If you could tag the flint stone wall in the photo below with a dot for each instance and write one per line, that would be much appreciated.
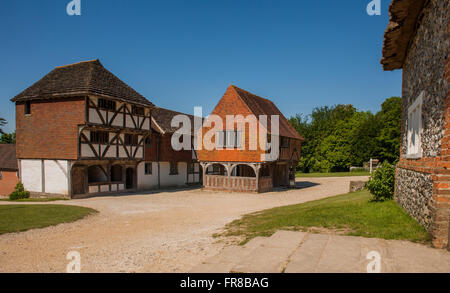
(413, 192)
(424, 70)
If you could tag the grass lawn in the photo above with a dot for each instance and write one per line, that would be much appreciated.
(16, 218)
(34, 199)
(335, 174)
(350, 214)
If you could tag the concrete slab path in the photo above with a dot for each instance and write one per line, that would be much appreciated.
(299, 252)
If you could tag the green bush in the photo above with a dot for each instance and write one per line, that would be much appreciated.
(19, 192)
(382, 182)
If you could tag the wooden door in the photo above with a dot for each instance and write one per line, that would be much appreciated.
(78, 181)
(129, 178)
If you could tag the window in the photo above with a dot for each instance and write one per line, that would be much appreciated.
(148, 168)
(137, 110)
(131, 139)
(284, 142)
(173, 168)
(190, 168)
(107, 104)
(228, 139)
(101, 137)
(28, 108)
(1, 175)
(414, 135)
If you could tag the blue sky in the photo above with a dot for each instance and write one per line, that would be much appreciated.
(181, 54)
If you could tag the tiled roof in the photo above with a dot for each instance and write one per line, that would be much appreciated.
(163, 118)
(83, 78)
(400, 30)
(8, 160)
(261, 106)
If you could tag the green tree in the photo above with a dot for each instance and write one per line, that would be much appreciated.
(340, 136)
(8, 138)
(390, 119)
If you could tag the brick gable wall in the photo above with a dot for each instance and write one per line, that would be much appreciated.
(231, 104)
(51, 131)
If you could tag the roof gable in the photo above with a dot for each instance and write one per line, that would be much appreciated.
(261, 106)
(83, 78)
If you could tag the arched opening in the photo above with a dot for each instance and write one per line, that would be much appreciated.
(216, 169)
(129, 178)
(243, 171)
(116, 173)
(96, 174)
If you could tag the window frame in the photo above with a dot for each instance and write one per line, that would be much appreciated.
(96, 138)
(173, 168)
(414, 129)
(27, 108)
(146, 170)
(107, 105)
(136, 110)
(224, 136)
(130, 139)
(284, 142)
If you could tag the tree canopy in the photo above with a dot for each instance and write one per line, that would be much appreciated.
(341, 136)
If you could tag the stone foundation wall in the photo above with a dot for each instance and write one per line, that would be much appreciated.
(413, 192)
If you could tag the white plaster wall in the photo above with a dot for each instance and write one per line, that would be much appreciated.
(140, 153)
(111, 153)
(31, 175)
(118, 121)
(129, 122)
(56, 177)
(86, 151)
(173, 180)
(146, 182)
(93, 117)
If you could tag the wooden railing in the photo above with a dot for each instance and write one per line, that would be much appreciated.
(231, 183)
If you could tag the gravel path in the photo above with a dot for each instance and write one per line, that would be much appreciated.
(161, 232)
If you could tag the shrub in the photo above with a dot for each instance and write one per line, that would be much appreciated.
(382, 182)
(19, 192)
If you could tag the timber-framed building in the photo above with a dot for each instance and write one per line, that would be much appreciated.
(80, 131)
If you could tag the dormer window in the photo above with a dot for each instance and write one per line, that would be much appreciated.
(28, 108)
(107, 104)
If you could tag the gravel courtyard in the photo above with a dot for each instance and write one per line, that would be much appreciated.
(161, 232)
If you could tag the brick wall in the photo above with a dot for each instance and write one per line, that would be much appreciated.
(8, 182)
(51, 131)
(166, 152)
(231, 104)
